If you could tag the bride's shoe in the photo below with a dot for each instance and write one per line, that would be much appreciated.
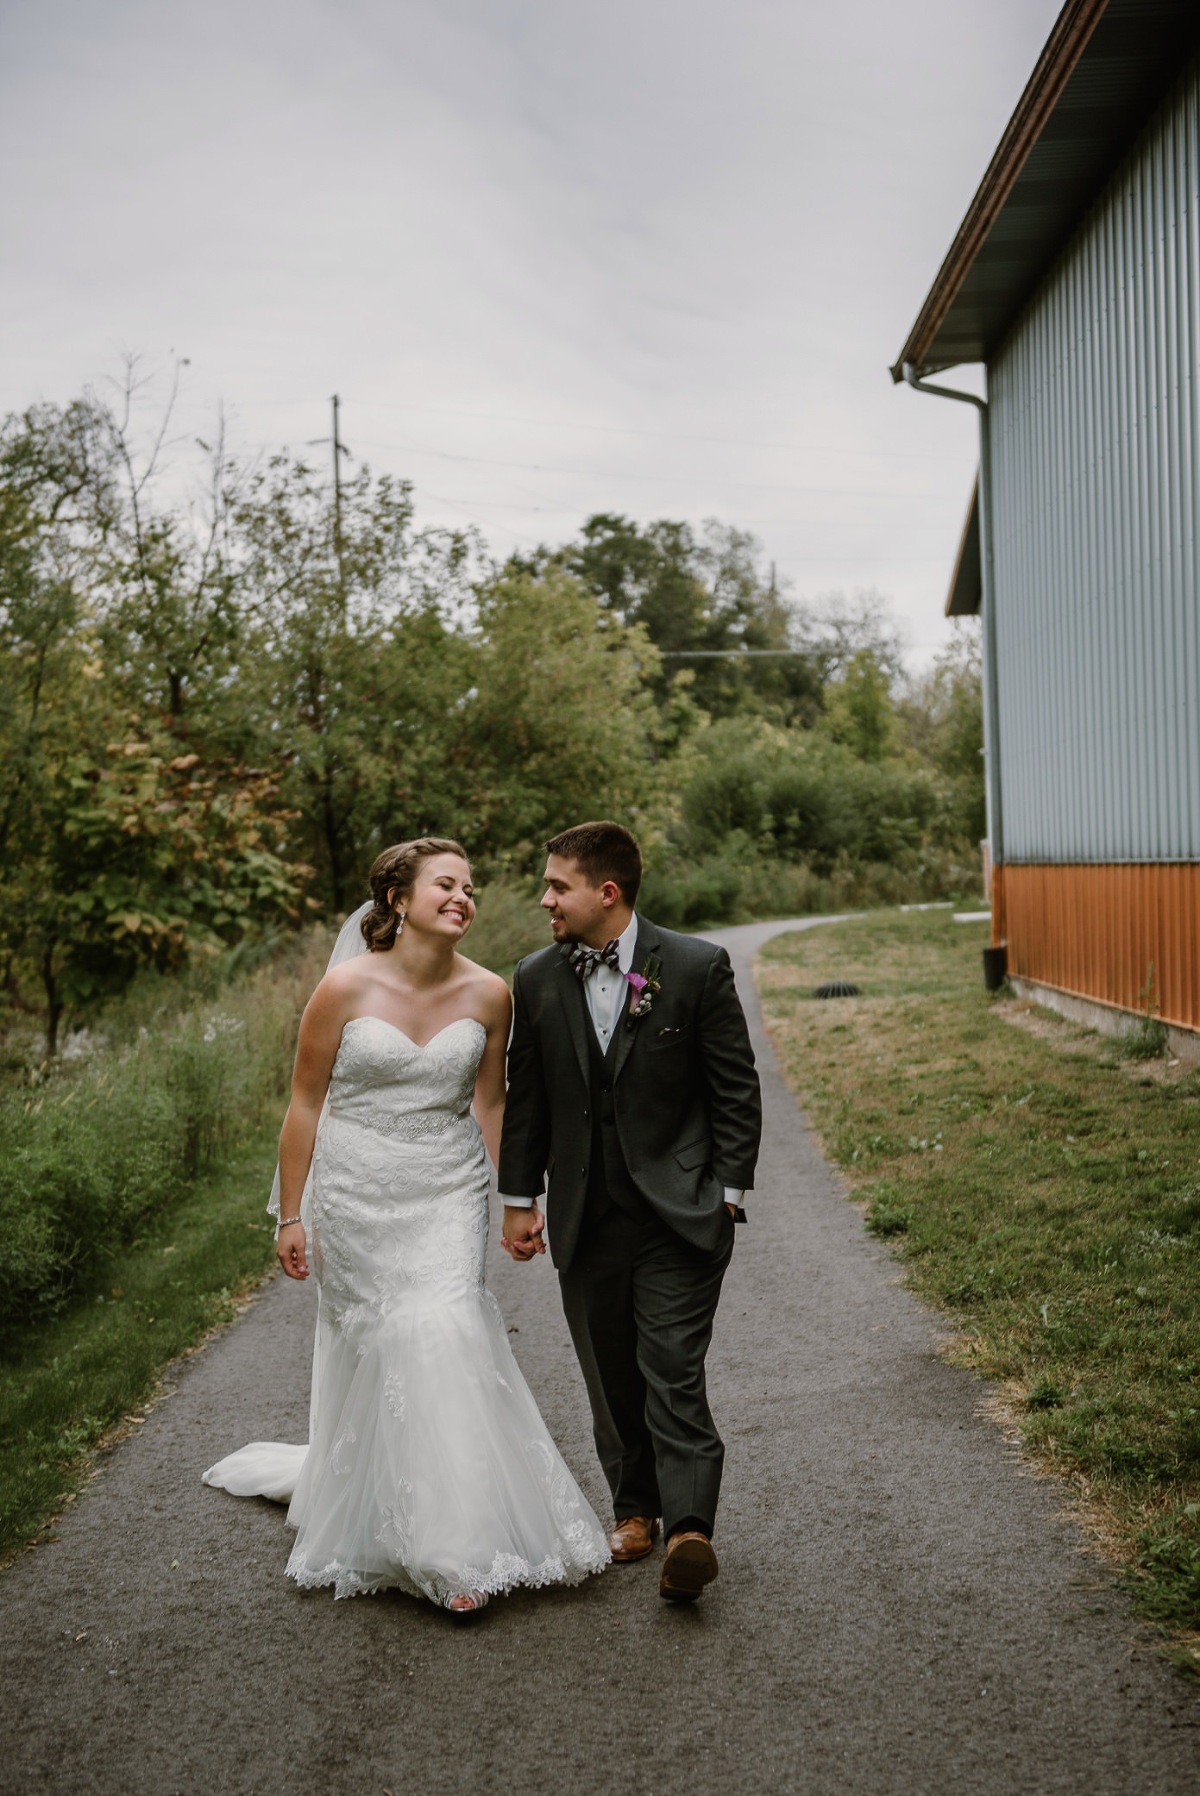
(462, 1607)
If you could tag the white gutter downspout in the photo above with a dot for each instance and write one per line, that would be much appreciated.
(991, 703)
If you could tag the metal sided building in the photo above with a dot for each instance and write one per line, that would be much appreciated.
(1075, 280)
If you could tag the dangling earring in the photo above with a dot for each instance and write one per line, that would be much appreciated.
(400, 925)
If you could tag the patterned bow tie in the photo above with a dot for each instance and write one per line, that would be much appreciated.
(584, 961)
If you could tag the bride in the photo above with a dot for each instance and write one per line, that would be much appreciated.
(429, 1468)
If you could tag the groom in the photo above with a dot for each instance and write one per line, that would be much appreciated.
(633, 1095)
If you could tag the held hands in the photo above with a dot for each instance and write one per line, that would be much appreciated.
(521, 1235)
(290, 1250)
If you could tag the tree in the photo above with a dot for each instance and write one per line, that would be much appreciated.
(560, 721)
(858, 706)
(48, 468)
(171, 609)
(941, 714)
(842, 627)
(209, 687)
(119, 853)
(149, 859)
(786, 687)
(114, 852)
(355, 664)
(161, 591)
(707, 594)
(56, 509)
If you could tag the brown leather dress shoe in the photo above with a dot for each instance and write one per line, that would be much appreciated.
(633, 1538)
(690, 1564)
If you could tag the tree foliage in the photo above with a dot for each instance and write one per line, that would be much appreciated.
(700, 602)
(351, 665)
(560, 721)
(220, 699)
(941, 717)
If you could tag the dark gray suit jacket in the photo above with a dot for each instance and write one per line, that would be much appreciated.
(687, 1106)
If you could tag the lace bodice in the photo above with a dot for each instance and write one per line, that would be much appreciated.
(400, 1178)
(386, 1082)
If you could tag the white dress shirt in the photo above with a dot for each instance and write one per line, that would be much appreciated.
(609, 995)
(608, 991)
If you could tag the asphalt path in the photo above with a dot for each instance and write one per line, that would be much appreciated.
(902, 1606)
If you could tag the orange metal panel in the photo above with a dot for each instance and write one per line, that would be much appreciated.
(1127, 935)
(999, 908)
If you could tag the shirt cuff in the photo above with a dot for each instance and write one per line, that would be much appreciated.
(732, 1196)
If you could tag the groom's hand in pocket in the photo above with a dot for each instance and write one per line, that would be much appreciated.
(521, 1234)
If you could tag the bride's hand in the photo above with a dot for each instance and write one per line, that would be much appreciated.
(522, 1234)
(290, 1250)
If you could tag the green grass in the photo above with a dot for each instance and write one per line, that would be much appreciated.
(1041, 1188)
(70, 1381)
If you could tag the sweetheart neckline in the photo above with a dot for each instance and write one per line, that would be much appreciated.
(420, 1046)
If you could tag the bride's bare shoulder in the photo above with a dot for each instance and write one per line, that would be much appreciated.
(487, 990)
(352, 976)
(342, 989)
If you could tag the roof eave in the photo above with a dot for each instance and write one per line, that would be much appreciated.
(1064, 47)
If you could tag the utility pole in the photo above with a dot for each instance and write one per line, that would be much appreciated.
(337, 502)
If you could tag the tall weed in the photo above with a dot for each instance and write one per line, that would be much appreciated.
(86, 1159)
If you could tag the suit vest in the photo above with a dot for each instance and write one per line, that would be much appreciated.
(608, 1176)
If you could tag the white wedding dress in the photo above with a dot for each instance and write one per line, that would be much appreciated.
(429, 1468)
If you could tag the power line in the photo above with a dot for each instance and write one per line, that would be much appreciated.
(533, 467)
(520, 536)
(728, 654)
(337, 499)
(622, 430)
(463, 507)
(573, 511)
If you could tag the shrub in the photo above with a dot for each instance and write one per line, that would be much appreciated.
(84, 1161)
(725, 798)
(77, 1173)
(694, 894)
(807, 801)
(803, 809)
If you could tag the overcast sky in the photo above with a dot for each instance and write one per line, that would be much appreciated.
(557, 258)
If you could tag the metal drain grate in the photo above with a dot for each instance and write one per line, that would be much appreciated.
(837, 988)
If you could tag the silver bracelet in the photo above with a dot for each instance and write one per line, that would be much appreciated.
(285, 1222)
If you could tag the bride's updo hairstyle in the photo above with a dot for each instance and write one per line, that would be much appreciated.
(392, 878)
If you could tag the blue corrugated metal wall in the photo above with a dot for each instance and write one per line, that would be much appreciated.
(1095, 445)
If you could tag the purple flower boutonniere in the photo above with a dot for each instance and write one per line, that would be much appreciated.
(644, 987)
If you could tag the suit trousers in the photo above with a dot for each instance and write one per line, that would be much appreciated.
(640, 1302)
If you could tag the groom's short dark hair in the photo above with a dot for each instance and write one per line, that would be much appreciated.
(602, 851)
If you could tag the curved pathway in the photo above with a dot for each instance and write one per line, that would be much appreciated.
(901, 1608)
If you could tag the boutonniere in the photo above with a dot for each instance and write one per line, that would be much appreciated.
(644, 987)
